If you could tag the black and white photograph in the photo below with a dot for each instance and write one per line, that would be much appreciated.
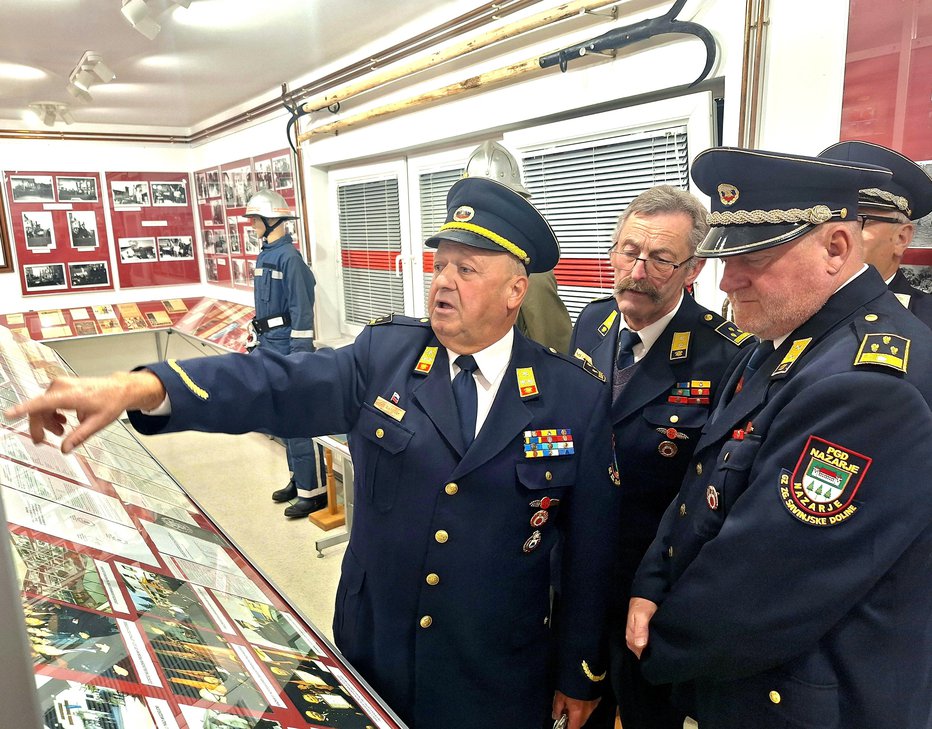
(239, 271)
(37, 188)
(264, 175)
(215, 242)
(210, 267)
(129, 194)
(281, 171)
(77, 189)
(200, 179)
(82, 225)
(137, 250)
(45, 276)
(175, 248)
(235, 245)
(216, 213)
(169, 193)
(94, 273)
(213, 183)
(252, 241)
(40, 233)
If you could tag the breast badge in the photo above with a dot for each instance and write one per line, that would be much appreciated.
(821, 489)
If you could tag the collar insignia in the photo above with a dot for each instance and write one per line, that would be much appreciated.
(426, 362)
(679, 347)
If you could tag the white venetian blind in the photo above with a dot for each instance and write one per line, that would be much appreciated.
(582, 186)
(370, 242)
(432, 190)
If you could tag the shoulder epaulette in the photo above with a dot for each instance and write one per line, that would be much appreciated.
(602, 298)
(578, 362)
(886, 350)
(725, 328)
(398, 319)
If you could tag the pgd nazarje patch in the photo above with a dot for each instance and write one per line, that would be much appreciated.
(821, 489)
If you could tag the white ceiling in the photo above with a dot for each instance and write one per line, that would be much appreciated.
(210, 58)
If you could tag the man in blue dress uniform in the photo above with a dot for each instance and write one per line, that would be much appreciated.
(788, 585)
(662, 385)
(473, 449)
(888, 214)
(284, 323)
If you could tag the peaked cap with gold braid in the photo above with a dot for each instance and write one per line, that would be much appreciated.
(486, 214)
(765, 199)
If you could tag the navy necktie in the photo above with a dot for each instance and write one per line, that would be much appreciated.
(760, 353)
(467, 399)
(626, 341)
(624, 363)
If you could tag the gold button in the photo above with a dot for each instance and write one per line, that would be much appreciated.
(379, 432)
(548, 476)
(669, 551)
(708, 317)
(424, 320)
(427, 621)
(441, 536)
(698, 469)
(451, 488)
(674, 418)
(682, 509)
(870, 317)
(775, 697)
(433, 579)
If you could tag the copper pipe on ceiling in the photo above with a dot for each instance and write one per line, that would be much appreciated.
(480, 16)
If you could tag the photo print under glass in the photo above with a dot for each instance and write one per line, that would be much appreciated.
(40, 233)
(169, 193)
(281, 170)
(45, 276)
(130, 194)
(82, 225)
(92, 273)
(35, 188)
(137, 250)
(175, 248)
(77, 189)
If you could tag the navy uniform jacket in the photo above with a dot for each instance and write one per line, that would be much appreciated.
(284, 284)
(651, 464)
(444, 597)
(793, 570)
(917, 301)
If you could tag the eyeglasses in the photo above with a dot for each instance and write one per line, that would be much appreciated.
(657, 267)
(877, 218)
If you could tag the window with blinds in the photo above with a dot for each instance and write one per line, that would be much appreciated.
(432, 189)
(370, 243)
(582, 187)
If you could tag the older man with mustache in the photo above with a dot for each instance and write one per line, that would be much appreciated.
(667, 355)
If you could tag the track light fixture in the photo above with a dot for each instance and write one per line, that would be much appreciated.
(139, 15)
(90, 70)
(50, 112)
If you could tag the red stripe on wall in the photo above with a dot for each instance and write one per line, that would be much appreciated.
(569, 271)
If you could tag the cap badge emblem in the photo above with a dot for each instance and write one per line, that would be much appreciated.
(728, 194)
(463, 213)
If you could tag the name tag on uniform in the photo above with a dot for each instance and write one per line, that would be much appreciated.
(392, 411)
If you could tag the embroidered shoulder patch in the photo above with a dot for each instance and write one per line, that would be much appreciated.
(887, 350)
(188, 382)
(731, 332)
(606, 325)
(821, 489)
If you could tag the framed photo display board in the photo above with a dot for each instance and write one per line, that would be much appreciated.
(153, 224)
(230, 245)
(59, 231)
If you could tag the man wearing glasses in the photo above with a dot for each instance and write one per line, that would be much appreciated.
(888, 214)
(665, 356)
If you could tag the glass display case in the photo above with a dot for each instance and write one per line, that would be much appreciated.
(133, 607)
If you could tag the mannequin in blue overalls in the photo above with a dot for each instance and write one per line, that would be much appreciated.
(284, 292)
